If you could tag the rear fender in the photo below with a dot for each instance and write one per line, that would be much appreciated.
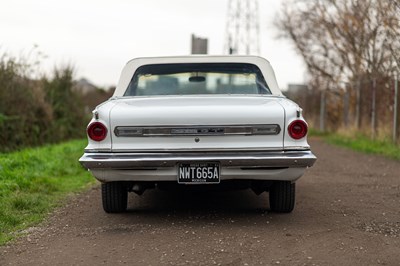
(292, 112)
(101, 114)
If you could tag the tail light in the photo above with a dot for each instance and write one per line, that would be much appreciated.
(97, 131)
(298, 129)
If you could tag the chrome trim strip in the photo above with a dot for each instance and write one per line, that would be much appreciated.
(150, 131)
(297, 148)
(275, 149)
(226, 159)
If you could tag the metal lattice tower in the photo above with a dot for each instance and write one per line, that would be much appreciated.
(242, 28)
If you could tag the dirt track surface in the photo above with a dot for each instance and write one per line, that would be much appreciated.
(347, 213)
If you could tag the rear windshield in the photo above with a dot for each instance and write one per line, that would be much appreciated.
(199, 78)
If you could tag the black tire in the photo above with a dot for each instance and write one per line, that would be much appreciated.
(114, 196)
(282, 196)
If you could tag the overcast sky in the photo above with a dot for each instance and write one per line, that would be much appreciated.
(98, 37)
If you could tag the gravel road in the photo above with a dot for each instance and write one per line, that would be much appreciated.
(347, 213)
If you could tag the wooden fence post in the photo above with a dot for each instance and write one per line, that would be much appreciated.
(395, 109)
(346, 100)
(373, 109)
(358, 105)
(322, 112)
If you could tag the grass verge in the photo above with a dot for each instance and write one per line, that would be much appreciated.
(361, 143)
(33, 181)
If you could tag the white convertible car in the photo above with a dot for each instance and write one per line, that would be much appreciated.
(204, 122)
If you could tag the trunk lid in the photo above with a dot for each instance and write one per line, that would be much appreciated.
(196, 123)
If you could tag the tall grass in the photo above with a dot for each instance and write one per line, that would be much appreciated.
(365, 144)
(362, 143)
(33, 181)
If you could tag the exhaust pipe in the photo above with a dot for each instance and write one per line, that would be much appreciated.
(259, 186)
(138, 189)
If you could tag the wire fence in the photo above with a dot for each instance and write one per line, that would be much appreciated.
(368, 106)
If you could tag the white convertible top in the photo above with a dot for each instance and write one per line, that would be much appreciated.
(132, 65)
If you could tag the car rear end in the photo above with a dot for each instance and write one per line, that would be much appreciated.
(252, 140)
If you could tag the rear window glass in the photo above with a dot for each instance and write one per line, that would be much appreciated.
(199, 78)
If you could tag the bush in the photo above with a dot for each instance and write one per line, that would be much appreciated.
(37, 111)
(69, 117)
(24, 113)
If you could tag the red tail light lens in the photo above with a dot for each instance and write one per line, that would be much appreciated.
(97, 131)
(298, 129)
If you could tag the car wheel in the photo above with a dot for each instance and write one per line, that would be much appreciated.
(114, 196)
(282, 196)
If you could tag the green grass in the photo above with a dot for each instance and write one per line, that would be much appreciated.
(33, 181)
(361, 143)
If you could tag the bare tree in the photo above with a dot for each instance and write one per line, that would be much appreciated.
(352, 49)
(342, 40)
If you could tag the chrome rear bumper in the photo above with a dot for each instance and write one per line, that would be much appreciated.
(154, 160)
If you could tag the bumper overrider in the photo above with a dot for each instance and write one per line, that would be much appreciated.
(161, 166)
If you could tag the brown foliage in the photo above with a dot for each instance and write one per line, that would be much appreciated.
(347, 45)
(341, 40)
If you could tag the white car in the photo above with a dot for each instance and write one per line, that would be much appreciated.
(197, 122)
